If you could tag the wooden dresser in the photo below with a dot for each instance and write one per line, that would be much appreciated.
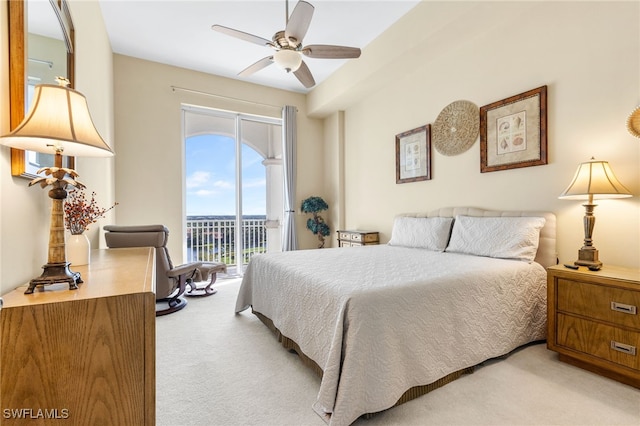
(86, 356)
(594, 320)
(357, 238)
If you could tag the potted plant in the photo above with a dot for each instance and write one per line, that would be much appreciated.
(316, 224)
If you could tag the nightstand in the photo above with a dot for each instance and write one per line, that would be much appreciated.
(594, 320)
(357, 238)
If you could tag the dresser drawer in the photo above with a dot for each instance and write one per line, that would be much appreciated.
(345, 235)
(613, 344)
(614, 305)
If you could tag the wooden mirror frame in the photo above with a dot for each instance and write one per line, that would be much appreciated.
(18, 64)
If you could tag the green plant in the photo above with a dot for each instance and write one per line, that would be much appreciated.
(316, 224)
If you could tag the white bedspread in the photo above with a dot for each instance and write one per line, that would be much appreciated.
(381, 319)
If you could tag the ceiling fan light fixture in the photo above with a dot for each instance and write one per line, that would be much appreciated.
(289, 60)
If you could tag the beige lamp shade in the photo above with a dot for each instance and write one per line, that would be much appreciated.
(58, 118)
(594, 180)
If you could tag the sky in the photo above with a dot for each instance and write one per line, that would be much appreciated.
(210, 183)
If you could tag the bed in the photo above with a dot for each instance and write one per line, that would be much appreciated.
(383, 324)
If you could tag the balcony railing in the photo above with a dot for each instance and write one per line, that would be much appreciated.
(214, 240)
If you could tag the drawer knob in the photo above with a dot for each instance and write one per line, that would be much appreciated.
(621, 347)
(621, 307)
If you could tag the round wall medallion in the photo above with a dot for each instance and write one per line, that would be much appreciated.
(456, 128)
(633, 122)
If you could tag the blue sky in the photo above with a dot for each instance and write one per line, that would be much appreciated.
(210, 183)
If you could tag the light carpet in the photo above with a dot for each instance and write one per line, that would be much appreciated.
(214, 367)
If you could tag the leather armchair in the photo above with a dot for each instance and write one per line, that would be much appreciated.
(171, 281)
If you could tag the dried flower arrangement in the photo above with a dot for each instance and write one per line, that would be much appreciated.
(80, 213)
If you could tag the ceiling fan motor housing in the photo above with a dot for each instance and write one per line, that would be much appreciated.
(283, 42)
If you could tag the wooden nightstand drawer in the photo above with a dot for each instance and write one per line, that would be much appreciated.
(603, 341)
(609, 304)
(357, 238)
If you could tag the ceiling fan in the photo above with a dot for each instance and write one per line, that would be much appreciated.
(288, 45)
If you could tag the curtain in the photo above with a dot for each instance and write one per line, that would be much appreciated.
(289, 130)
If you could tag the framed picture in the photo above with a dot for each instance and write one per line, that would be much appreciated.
(413, 155)
(513, 132)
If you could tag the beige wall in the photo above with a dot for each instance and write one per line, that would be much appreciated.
(334, 171)
(24, 212)
(149, 150)
(587, 53)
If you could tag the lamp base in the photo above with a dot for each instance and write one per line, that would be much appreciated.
(588, 256)
(55, 273)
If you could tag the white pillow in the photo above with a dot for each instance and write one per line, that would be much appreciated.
(430, 233)
(502, 237)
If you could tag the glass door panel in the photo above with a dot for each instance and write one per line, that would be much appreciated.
(210, 187)
(233, 184)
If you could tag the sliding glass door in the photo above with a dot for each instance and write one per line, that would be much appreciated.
(233, 185)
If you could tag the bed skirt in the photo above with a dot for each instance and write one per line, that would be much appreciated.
(410, 394)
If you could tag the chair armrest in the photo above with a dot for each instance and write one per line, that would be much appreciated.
(183, 269)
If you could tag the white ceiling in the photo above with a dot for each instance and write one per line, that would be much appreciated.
(178, 32)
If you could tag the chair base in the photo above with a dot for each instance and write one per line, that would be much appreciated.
(195, 291)
(175, 304)
(210, 270)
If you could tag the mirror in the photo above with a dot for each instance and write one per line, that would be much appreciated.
(41, 47)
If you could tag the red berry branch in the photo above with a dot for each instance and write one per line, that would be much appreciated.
(80, 213)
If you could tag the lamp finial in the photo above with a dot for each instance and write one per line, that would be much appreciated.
(63, 81)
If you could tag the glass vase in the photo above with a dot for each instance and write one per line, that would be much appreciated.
(78, 249)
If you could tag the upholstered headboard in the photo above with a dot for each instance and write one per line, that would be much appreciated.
(546, 255)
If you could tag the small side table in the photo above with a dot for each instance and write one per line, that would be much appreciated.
(357, 238)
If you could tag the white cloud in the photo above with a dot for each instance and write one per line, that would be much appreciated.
(204, 193)
(224, 184)
(198, 179)
(199, 183)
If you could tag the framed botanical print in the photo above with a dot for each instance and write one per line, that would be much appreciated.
(413, 155)
(513, 132)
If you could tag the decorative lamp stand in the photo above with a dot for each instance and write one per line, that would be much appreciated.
(588, 254)
(57, 268)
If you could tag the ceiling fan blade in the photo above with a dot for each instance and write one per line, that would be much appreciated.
(299, 21)
(326, 51)
(241, 35)
(262, 63)
(304, 75)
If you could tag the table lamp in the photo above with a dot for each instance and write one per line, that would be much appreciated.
(593, 180)
(58, 121)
